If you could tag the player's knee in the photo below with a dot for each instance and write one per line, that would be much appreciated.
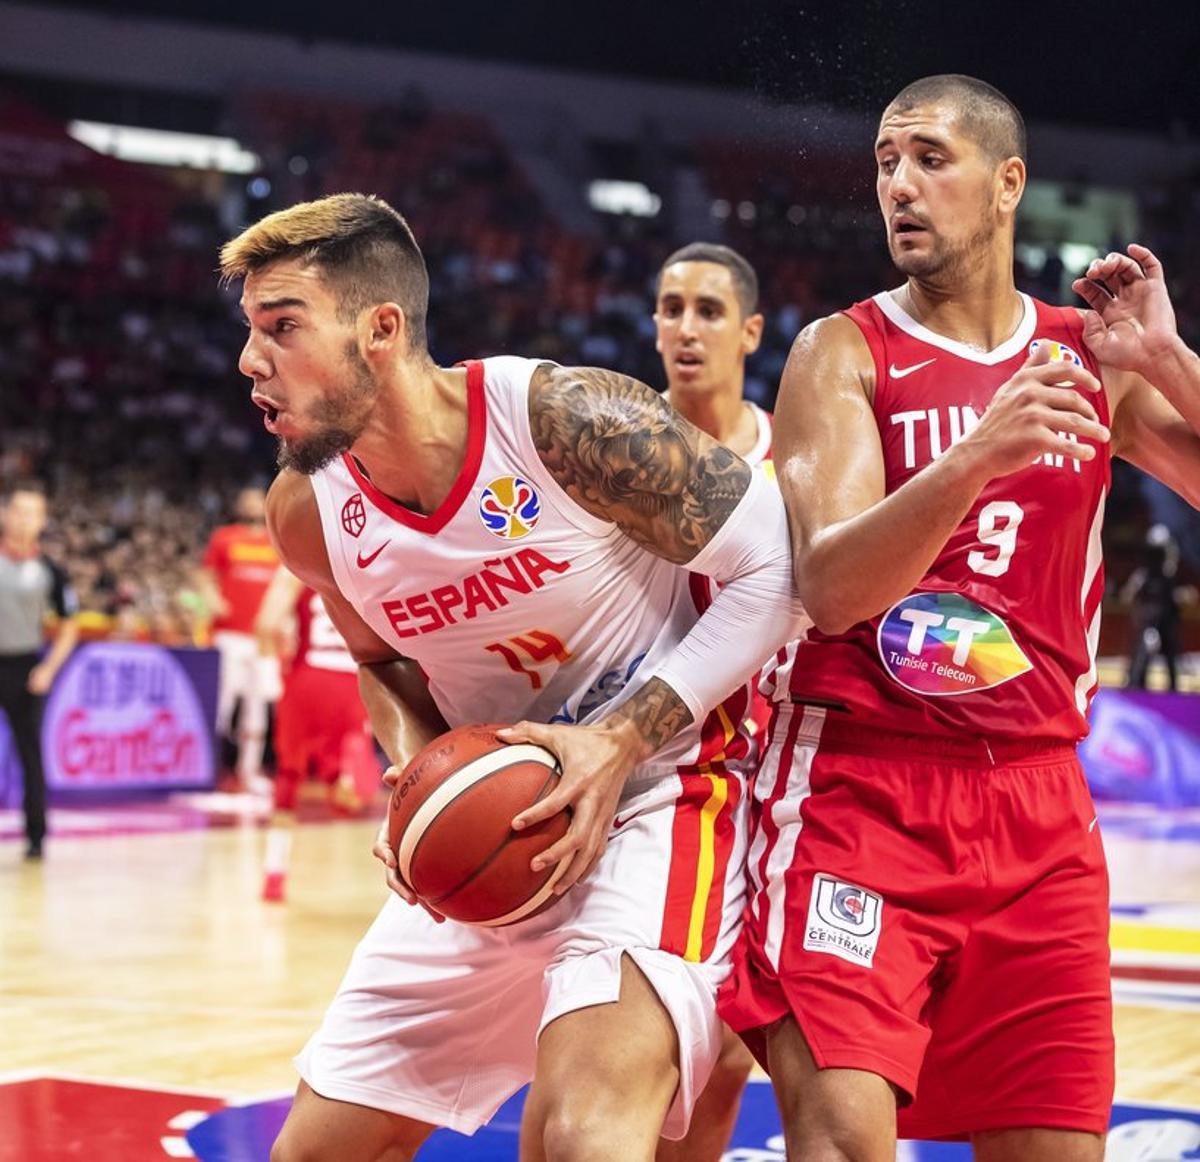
(568, 1139)
(289, 1147)
(589, 1127)
(823, 1133)
(301, 1141)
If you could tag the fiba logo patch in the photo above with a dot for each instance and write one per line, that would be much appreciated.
(510, 507)
(354, 515)
(1059, 352)
(843, 920)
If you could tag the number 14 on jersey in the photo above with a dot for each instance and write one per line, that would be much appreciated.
(531, 652)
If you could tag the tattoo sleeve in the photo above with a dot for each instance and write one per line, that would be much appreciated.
(620, 451)
(657, 712)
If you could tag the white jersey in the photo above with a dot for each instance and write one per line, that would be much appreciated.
(515, 601)
(760, 455)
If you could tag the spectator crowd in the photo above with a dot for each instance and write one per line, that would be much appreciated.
(118, 349)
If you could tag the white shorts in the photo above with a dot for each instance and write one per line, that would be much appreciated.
(439, 1022)
(246, 675)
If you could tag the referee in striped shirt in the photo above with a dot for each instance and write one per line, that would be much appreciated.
(31, 588)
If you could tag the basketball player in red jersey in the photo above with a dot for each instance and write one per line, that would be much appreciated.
(707, 323)
(321, 725)
(238, 565)
(447, 516)
(929, 930)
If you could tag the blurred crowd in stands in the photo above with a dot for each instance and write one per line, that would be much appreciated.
(118, 350)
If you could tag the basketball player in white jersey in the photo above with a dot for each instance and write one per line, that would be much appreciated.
(523, 533)
(707, 323)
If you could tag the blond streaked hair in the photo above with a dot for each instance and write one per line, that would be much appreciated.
(363, 248)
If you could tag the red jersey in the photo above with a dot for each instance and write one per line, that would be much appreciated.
(244, 562)
(318, 643)
(999, 639)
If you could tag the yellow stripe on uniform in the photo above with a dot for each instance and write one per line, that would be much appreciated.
(1154, 938)
(705, 864)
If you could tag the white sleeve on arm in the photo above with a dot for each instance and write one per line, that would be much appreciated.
(755, 612)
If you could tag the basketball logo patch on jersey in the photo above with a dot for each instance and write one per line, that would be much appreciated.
(510, 507)
(843, 920)
(943, 643)
(354, 515)
(1059, 352)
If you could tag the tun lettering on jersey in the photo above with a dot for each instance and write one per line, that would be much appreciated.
(493, 587)
(930, 432)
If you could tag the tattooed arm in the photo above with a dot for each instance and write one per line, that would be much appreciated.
(624, 454)
(620, 452)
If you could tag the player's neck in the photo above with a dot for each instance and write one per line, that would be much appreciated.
(416, 443)
(723, 414)
(18, 546)
(983, 309)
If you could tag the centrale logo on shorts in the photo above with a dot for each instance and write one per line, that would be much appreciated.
(843, 920)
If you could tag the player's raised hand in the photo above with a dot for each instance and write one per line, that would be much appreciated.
(1132, 322)
(595, 762)
(1042, 408)
(382, 851)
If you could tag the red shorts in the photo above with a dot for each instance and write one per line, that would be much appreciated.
(936, 918)
(319, 708)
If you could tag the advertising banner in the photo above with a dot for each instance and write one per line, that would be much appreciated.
(125, 716)
(1144, 748)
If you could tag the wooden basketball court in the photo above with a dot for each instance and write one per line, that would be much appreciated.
(148, 961)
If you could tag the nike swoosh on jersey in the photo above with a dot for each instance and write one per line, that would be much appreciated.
(363, 562)
(895, 372)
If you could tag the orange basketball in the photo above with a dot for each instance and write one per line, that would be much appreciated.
(449, 824)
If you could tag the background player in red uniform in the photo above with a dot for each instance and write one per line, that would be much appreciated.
(238, 566)
(321, 727)
(932, 910)
(707, 322)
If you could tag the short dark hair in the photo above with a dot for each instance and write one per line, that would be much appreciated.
(25, 484)
(745, 281)
(992, 121)
(364, 248)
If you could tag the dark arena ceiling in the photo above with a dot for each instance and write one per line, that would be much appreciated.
(1105, 63)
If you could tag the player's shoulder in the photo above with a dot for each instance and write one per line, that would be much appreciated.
(294, 526)
(555, 384)
(564, 402)
(838, 329)
(833, 343)
(1051, 314)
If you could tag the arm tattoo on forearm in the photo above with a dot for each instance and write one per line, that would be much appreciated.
(620, 450)
(657, 711)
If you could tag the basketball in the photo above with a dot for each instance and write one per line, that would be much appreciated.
(449, 822)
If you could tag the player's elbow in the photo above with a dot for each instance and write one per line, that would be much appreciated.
(825, 603)
(830, 620)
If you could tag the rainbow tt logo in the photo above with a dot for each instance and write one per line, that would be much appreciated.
(510, 507)
(944, 643)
